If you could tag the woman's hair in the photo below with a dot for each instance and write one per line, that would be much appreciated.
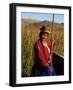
(40, 35)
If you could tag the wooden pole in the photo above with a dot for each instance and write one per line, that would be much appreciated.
(52, 38)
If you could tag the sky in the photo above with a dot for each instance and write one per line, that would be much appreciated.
(59, 18)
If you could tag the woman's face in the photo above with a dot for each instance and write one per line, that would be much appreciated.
(44, 37)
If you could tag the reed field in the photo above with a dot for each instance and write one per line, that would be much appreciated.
(29, 36)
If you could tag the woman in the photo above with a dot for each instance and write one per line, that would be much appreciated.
(42, 55)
